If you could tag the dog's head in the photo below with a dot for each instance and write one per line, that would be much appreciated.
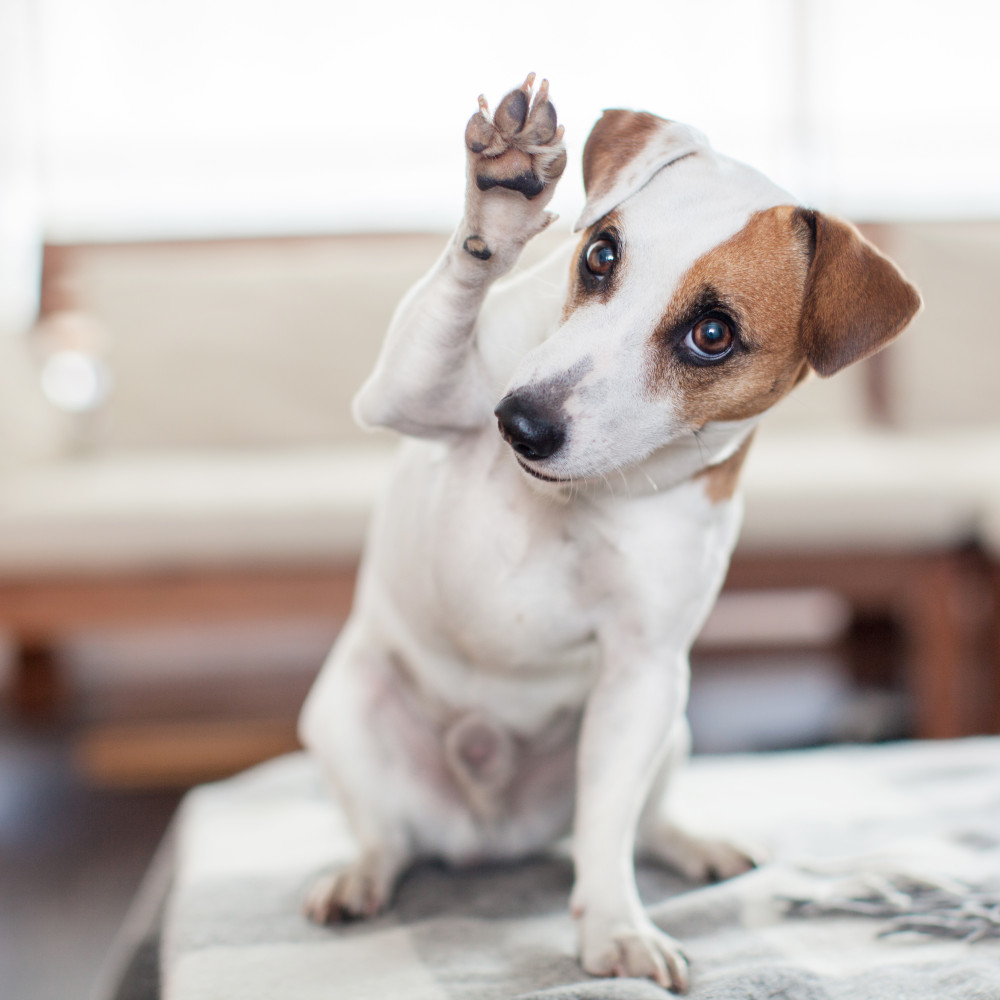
(700, 294)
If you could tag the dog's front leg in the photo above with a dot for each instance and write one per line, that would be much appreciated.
(429, 379)
(627, 726)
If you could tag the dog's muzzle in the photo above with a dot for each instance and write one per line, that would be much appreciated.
(530, 427)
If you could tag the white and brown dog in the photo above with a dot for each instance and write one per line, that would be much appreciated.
(515, 665)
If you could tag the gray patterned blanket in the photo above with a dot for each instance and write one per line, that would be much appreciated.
(884, 883)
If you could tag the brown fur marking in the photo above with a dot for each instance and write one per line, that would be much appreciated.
(722, 479)
(856, 299)
(618, 137)
(578, 293)
(760, 274)
(807, 290)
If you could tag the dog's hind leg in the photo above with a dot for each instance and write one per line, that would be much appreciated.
(383, 751)
(430, 380)
(353, 723)
(364, 886)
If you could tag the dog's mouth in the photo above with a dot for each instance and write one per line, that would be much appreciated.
(539, 475)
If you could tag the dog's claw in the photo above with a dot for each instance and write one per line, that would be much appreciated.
(640, 953)
(357, 891)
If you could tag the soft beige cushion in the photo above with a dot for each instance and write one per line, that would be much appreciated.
(823, 491)
(804, 492)
(944, 368)
(841, 401)
(189, 510)
(246, 344)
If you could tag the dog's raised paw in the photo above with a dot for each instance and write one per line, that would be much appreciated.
(520, 148)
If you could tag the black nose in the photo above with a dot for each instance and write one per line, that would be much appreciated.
(529, 427)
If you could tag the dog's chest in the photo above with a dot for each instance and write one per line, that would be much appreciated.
(506, 578)
(490, 581)
(515, 576)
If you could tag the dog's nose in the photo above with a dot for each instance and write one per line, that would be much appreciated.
(529, 427)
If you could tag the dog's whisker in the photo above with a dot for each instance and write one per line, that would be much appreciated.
(544, 283)
(512, 351)
(701, 447)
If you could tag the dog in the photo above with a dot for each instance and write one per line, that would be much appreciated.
(561, 520)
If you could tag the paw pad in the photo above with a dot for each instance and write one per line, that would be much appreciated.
(476, 246)
(521, 148)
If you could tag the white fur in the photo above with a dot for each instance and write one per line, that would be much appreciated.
(551, 622)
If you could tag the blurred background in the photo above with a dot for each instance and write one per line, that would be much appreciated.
(208, 209)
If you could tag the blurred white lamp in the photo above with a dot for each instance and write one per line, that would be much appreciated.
(75, 381)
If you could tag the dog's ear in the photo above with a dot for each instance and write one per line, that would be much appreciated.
(856, 299)
(623, 152)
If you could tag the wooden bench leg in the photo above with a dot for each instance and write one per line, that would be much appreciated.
(874, 649)
(37, 691)
(993, 651)
(942, 655)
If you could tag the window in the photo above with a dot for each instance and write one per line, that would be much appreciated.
(225, 117)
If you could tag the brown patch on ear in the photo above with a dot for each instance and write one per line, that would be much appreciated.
(618, 137)
(722, 479)
(856, 299)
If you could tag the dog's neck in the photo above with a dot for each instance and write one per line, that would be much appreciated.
(673, 464)
(683, 459)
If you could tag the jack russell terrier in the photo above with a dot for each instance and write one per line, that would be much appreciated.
(516, 662)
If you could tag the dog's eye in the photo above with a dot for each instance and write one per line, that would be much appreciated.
(600, 257)
(710, 339)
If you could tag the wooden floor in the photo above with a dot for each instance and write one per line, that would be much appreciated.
(71, 858)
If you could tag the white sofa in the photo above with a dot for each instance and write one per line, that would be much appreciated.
(224, 478)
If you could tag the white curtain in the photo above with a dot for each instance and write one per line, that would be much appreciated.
(214, 117)
(20, 196)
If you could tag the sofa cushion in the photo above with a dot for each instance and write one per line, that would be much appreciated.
(242, 343)
(942, 370)
(185, 510)
(157, 511)
(829, 490)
